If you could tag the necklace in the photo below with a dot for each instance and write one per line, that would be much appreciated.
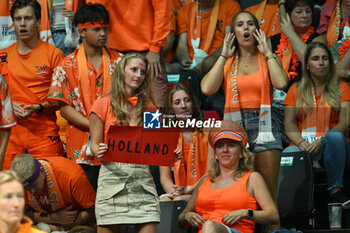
(225, 181)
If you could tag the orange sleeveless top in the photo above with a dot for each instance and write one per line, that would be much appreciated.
(249, 88)
(213, 204)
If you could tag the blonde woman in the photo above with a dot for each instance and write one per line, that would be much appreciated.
(126, 193)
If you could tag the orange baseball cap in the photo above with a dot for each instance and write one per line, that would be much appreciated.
(229, 129)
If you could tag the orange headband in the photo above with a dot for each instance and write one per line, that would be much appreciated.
(91, 25)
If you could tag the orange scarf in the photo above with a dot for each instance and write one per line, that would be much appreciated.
(260, 15)
(187, 173)
(232, 104)
(196, 26)
(44, 28)
(51, 200)
(316, 123)
(89, 95)
(334, 26)
(287, 55)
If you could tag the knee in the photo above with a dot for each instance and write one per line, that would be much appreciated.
(208, 226)
(334, 136)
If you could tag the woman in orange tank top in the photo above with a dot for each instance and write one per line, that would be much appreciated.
(211, 207)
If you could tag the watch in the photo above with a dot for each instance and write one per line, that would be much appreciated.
(250, 214)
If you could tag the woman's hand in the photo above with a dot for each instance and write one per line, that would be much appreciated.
(315, 147)
(102, 148)
(262, 43)
(194, 219)
(304, 145)
(178, 154)
(177, 191)
(229, 45)
(286, 25)
(234, 216)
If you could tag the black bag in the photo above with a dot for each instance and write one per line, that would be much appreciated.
(169, 213)
(295, 189)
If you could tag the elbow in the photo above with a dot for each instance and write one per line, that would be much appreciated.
(275, 219)
(207, 90)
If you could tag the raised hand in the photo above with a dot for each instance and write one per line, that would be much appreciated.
(229, 47)
(262, 42)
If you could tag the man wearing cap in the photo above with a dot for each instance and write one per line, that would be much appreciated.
(56, 191)
(80, 79)
(213, 209)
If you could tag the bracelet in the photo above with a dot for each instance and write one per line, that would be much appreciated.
(271, 56)
(300, 142)
(223, 57)
(41, 109)
(281, 3)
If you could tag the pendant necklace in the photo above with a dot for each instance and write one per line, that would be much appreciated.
(225, 181)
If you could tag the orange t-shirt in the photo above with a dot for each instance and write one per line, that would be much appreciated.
(270, 21)
(29, 77)
(213, 203)
(137, 25)
(227, 10)
(292, 98)
(7, 117)
(75, 188)
(253, 83)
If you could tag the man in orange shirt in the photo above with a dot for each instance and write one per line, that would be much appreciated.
(7, 117)
(28, 69)
(201, 29)
(141, 26)
(56, 190)
(80, 79)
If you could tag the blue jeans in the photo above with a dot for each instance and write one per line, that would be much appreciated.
(336, 155)
(58, 37)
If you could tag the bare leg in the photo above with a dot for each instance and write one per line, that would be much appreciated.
(109, 229)
(211, 226)
(147, 227)
(267, 163)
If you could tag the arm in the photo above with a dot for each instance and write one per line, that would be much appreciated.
(96, 130)
(25, 112)
(84, 217)
(278, 76)
(343, 65)
(344, 117)
(291, 128)
(74, 117)
(4, 139)
(212, 81)
(268, 215)
(64, 216)
(189, 215)
(182, 52)
(166, 179)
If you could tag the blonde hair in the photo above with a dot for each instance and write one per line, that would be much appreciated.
(331, 92)
(118, 96)
(24, 166)
(8, 176)
(246, 164)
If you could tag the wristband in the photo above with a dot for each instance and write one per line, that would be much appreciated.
(281, 3)
(41, 109)
(223, 56)
(271, 56)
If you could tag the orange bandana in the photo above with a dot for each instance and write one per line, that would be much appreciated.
(334, 26)
(91, 25)
(232, 103)
(50, 200)
(187, 173)
(88, 94)
(287, 55)
(133, 100)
